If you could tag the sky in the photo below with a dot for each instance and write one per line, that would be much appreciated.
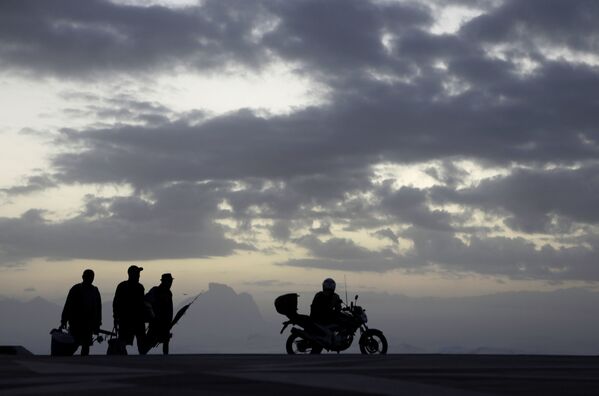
(426, 148)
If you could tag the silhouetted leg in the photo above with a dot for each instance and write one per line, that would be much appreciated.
(165, 347)
(83, 338)
(126, 333)
(142, 348)
(142, 341)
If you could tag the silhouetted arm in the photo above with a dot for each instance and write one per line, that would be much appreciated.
(337, 303)
(98, 303)
(116, 304)
(316, 306)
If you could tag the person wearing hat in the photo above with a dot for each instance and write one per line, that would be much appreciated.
(128, 310)
(83, 311)
(161, 300)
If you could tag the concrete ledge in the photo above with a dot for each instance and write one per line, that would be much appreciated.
(17, 350)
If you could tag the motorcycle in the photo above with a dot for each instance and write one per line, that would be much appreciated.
(309, 337)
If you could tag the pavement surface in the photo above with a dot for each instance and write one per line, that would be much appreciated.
(329, 375)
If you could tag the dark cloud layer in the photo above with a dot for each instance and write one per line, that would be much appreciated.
(398, 94)
(177, 223)
(556, 22)
(512, 257)
(534, 199)
(71, 38)
(340, 36)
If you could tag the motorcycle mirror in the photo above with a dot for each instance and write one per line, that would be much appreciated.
(356, 298)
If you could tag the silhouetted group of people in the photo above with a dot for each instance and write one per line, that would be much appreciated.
(132, 308)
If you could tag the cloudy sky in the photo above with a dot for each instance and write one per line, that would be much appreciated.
(420, 147)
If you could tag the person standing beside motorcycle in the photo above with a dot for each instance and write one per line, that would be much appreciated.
(325, 307)
(161, 299)
(83, 311)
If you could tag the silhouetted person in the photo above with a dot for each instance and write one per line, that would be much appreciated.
(325, 307)
(83, 311)
(128, 310)
(161, 299)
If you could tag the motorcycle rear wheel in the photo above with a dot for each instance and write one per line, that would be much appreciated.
(373, 342)
(296, 345)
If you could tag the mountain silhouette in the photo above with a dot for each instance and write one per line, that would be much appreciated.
(222, 320)
(557, 322)
(28, 323)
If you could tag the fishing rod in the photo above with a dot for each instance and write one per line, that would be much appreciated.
(184, 309)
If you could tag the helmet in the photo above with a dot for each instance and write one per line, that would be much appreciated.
(328, 284)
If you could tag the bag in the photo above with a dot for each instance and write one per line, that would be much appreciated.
(287, 304)
(62, 343)
(115, 346)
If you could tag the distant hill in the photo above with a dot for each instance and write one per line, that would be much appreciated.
(220, 321)
(28, 323)
(560, 322)
(224, 321)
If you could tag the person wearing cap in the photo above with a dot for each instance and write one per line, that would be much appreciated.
(128, 310)
(161, 300)
(83, 311)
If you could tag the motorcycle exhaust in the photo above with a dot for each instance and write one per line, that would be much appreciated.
(301, 333)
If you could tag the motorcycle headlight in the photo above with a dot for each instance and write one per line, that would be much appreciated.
(364, 317)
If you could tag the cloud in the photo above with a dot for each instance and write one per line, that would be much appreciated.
(396, 94)
(433, 250)
(356, 265)
(409, 205)
(551, 22)
(516, 258)
(32, 184)
(334, 248)
(280, 230)
(387, 234)
(268, 283)
(343, 254)
(177, 223)
(535, 200)
(70, 39)
(402, 123)
(324, 35)
(448, 173)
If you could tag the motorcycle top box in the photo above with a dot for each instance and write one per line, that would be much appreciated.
(286, 304)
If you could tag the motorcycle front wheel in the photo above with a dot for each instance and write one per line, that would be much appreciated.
(296, 345)
(373, 342)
